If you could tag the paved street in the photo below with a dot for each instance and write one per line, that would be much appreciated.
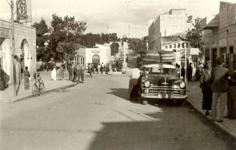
(97, 115)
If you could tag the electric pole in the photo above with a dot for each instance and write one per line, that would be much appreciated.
(13, 46)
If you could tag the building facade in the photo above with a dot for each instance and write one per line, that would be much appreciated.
(168, 24)
(219, 35)
(97, 55)
(25, 48)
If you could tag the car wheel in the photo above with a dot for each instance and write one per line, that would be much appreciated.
(142, 101)
(145, 102)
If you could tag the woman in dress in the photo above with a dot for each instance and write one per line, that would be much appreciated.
(206, 88)
(26, 78)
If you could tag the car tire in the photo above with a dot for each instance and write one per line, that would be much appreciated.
(142, 101)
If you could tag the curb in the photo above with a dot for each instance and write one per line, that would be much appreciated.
(219, 125)
(45, 92)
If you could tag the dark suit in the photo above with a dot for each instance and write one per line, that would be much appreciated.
(231, 96)
(219, 89)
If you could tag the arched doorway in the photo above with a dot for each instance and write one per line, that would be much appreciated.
(5, 55)
(25, 55)
(96, 59)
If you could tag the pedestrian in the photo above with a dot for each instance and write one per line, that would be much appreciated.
(231, 96)
(90, 70)
(60, 72)
(205, 84)
(26, 78)
(99, 68)
(54, 74)
(133, 83)
(189, 72)
(69, 68)
(219, 89)
(4, 78)
(102, 68)
(183, 72)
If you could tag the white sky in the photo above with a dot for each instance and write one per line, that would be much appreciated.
(115, 16)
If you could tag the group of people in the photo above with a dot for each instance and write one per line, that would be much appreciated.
(191, 73)
(57, 73)
(218, 86)
(76, 72)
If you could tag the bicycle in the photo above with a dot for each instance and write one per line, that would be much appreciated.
(38, 85)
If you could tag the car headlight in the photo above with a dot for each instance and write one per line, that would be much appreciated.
(175, 86)
(182, 85)
(147, 84)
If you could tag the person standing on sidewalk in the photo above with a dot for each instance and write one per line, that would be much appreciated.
(133, 82)
(189, 72)
(219, 89)
(69, 68)
(231, 96)
(26, 78)
(205, 84)
(90, 70)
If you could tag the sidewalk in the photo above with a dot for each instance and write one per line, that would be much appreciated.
(195, 99)
(50, 85)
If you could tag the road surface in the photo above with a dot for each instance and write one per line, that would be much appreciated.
(97, 115)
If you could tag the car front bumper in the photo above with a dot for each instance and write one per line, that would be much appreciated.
(163, 97)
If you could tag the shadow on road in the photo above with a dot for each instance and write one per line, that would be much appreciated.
(120, 92)
(165, 132)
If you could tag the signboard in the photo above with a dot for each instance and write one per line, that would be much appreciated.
(23, 10)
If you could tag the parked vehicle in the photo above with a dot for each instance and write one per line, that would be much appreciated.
(159, 82)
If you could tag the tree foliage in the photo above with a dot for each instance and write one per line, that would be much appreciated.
(114, 48)
(136, 44)
(194, 36)
(90, 39)
(65, 32)
(41, 30)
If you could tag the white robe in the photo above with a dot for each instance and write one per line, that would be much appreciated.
(54, 74)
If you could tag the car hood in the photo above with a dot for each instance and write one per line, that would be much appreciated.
(163, 80)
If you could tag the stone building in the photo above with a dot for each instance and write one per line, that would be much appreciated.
(25, 48)
(97, 55)
(165, 25)
(219, 35)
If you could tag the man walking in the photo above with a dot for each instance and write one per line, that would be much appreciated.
(69, 68)
(219, 89)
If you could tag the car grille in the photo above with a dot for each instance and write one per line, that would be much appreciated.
(154, 90)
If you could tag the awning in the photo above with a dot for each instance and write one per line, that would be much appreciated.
(213, 24)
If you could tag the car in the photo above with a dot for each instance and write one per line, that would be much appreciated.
(160, 82)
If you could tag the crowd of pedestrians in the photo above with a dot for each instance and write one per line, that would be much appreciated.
(218, 86)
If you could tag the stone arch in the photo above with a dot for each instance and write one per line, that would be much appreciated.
(26, 55)
(5, 50)
(96, 59)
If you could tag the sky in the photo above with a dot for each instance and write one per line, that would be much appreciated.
(124, 17)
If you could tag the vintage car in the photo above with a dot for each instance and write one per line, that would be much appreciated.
(161, 82)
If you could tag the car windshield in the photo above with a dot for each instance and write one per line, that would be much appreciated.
(158, 70)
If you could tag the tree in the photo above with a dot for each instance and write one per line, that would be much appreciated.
(90, 39)
(114, 48)
(137, 44)
(41, 29)
(65, 32)
(194, 36)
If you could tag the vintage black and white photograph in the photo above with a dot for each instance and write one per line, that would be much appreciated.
(117, 74)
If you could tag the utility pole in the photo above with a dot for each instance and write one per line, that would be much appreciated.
(13, 47)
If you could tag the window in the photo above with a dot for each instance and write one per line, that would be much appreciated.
(178, 45)
(170, 46)
(174, 45)
(183, 44)
(166, 47)
(186, 45)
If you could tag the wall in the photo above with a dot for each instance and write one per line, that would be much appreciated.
(25, 43)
